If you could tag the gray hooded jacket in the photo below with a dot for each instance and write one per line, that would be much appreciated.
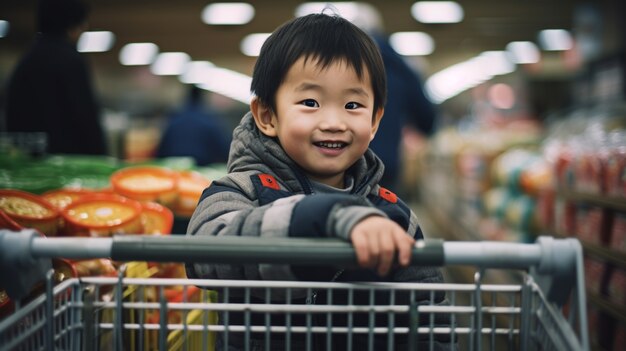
(265, 194)
(247, 203)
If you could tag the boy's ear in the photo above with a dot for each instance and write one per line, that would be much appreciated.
(263, 117)
(376, 121)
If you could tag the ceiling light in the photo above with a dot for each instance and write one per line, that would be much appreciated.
(523, 52)
(170, 63)
(97, 41)
(229, 83)
(437, 12)
(196, 72)
(555, 40)
(412, 43)
(4, 28)
(495, 63)
(228, 13)
(252, 43)
(136, 54)
(457, 78)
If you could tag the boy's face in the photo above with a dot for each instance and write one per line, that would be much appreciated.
(323, 118)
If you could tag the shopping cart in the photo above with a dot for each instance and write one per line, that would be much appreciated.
(544, 311)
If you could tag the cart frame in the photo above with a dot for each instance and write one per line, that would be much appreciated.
(71, 316)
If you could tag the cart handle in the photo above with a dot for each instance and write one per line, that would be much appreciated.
(547, 255)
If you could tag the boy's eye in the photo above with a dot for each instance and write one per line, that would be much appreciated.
(352, 105)
(309, 103)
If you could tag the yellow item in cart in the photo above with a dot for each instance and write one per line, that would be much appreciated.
(176, 339)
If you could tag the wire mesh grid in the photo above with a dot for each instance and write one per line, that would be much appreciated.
(178, 314)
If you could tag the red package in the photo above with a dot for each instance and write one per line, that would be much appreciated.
(617, 287)
(618, 232)
(590, 224)
(594, 270)
(565, 217)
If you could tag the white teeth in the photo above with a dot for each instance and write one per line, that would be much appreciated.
(331, 145)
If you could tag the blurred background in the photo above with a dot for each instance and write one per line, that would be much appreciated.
(541, 76)
(521, 131)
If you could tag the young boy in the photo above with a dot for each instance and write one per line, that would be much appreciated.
(299, 164)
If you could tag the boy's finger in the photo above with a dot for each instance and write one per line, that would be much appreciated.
(359, 242)
(405, 247)
(386, 254)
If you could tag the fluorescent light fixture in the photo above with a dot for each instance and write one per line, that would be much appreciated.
(228, 13)
(495, 63)
(170, 63)
(4, 28)
(196, 72)
(457, 78)
(412, 43)
(523, 52)
(437, 12)
(347, 9)
(96, 41)
(555, 40)
(251, 44)
(136, 54)
(229, 83)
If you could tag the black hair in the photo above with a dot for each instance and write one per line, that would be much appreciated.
(325, 38)
(59, 16)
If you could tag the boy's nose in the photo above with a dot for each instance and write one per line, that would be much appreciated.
(332, 121)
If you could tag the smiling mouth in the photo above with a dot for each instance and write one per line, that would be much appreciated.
(331, 145)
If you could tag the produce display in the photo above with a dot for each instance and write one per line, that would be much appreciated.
(29, 210)
(103, 215)
(99, 196)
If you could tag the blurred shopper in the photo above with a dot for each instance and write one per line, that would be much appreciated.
(195, 130)
(407, 105)
(50, 90)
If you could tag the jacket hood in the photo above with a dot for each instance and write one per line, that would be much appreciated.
(251, 150)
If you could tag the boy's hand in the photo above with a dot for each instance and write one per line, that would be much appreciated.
(376, 241)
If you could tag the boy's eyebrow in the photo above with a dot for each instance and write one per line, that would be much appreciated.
(312, 86)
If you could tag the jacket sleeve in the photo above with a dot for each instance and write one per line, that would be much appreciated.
(226, 210)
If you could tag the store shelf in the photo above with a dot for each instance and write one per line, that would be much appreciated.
(612, 256)
(611, 202)
(616, 311)
(604, 253)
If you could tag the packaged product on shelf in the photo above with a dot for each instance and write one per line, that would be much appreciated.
(60, 198)
(564, 217)
(147, 183)
(617, 286)
(545, 210)
(515, 210)
(618, 232)
(616, 164)
(190, 186)
(591, 224)
(30, 210)
(156, 219)
(559, 153)
(594, 274)
(522, 170)
(593, 316)
(103, 215)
